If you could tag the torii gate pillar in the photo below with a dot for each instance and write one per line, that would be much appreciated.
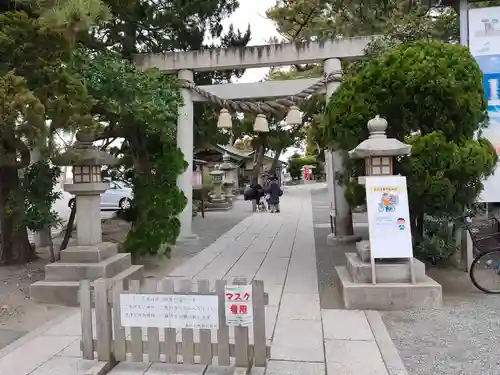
(340, 209)
(185, 141)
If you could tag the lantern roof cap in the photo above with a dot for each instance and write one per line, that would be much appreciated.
(216, 172)
(378, 144)
(85, 154)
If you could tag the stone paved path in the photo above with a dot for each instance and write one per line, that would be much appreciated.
(280, 250)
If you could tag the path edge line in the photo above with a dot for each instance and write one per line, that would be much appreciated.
(390, 355)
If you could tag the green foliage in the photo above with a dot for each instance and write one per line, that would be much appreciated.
(297, 162)
(432, 97)
(140, 107)
(38, 183)
(437, 245)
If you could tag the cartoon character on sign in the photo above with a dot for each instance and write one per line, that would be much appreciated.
(388, 202)
(401, 223)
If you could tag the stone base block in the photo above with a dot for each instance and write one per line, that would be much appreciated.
(397, 271)
(66, 292)
(60, 271)
(332, 240)
(363, 250)
(218, 205)
(89, 254)
(388, 296)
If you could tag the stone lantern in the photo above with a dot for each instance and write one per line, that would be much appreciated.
(378, 150)
(229, 176)
(87, 187)
(217, 179)
(218, 203)
(89, 258)
(400, 283)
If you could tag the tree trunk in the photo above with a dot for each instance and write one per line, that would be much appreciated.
(15, 246)
(259, 158)
(69, 229)
(276, 159)
(417, 228)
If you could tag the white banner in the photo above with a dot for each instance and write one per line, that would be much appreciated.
(388, 217)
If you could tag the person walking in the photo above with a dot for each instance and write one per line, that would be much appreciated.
(274, 193)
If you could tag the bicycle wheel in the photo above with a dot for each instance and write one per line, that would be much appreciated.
(485, 272)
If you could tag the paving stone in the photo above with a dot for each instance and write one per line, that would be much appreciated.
(174, 369)
(346, 325)
(72, 351)
(130, 368)
(298, 340)
(345, 357)
(40, 350)
(295, 368)
(64, 366)
(300, 306)
(219, 370)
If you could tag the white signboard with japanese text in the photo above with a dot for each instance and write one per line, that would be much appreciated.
(169, 311)
(239, 308)
(388, 217)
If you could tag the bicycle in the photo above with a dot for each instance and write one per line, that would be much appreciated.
(486, 247)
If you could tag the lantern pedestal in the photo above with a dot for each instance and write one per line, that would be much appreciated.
(88, 201)
(90, 258)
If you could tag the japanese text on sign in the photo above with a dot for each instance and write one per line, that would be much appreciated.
(238, 302)
(169, 311)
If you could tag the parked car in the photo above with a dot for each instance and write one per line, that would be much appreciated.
(118, 197)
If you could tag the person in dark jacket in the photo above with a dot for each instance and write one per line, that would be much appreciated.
(274, 193)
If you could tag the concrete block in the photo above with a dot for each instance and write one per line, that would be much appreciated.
(66, 292)
(61, 271)
(346, 325)
(89, 254)
(363, 250)
(388, 296)
(354, 358)
(295, 368)
(298, 340)
(397, 271)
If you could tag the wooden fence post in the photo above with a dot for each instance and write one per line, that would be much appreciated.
(103, 321)
(86, 315)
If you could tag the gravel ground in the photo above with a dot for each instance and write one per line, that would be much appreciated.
(460, 338)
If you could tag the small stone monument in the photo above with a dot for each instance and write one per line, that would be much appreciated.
(394, 288)
(91, 258)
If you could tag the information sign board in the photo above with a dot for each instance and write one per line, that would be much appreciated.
(169, 311)
(239, 308)
(388, 217)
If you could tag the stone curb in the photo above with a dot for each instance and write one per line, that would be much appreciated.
(30, 336)
(388, 351)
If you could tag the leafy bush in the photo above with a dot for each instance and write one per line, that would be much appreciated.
(437, 245)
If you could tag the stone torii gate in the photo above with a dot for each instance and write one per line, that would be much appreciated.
(329, 52)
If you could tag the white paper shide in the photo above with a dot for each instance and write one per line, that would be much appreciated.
(388, 217)
(169, 311)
